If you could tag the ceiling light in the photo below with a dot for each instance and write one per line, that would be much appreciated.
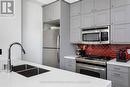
(46, 1)
(71, 1)
(50, 1)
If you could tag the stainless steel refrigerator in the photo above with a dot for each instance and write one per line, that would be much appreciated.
(51, 42)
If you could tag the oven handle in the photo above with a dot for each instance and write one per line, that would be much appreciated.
(90, 67)
(100, 37)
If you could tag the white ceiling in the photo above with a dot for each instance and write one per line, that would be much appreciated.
(50, 1)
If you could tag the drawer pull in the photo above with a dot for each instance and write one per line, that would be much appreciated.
(116, 74)
(117, 68)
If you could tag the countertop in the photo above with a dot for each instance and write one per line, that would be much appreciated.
(53, 78)
(114, 62)
(71, 57)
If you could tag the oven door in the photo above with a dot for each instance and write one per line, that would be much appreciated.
(91, 70)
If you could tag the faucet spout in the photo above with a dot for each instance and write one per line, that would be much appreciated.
(9, 55)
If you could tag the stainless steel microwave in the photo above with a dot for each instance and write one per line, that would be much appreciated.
(99, 35)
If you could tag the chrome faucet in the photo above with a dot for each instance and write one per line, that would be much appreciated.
(9, 55)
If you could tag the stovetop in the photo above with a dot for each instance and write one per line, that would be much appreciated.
(98, 58)
(94, 60)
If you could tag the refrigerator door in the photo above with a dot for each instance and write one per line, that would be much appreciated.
(50, 38)
(50, 57)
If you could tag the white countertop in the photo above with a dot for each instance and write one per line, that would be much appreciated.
(114, 62)
(54, 78)
(71, 57)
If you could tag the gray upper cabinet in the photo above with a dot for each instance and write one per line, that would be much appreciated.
(120, 15)
(102, 5)
(102, 18)
(118, 3)
(95, 13)
(99, 18)
(87, 20)
(75, 22)
(75, 9)
(120, 21)
(75, 31)
(51, 12)
(120, 34)
(87, 6)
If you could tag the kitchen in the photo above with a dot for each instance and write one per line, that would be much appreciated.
(86, 36)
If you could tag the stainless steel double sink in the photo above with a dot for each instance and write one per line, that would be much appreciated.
(28, 70)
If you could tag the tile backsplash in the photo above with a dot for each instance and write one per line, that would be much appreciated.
(103, 50)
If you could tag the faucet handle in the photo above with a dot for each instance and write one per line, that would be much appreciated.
(8, 68)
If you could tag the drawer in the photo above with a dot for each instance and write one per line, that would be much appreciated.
(69, 61)
(117, 68)
(70, 67)
(118, 78)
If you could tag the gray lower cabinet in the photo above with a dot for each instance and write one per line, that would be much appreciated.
(119, 75)
(70, 64)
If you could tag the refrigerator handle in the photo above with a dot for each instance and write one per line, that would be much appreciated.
(58, 48)
(58, 41)
(58, 57)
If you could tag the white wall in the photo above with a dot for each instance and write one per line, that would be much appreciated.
(32, 31)
(10, 31)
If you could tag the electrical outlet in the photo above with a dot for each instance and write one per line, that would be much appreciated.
(128, 50)
(0, 51)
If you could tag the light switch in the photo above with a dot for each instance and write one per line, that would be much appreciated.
(128, 51)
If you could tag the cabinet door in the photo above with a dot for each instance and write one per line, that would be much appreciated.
(117, 76)
(75, 35)
(51, 12)
(75, 31)
(87, 6)
(55, 10)
(87, 20)
(120, 15)
(75, 9)
(118, 79)
(46, 13)
(117, 3)
(102, 4)
(70, 64)
(120, 34)
(102, 18)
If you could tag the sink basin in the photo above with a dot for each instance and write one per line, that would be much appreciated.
(28, 70)
(22, 67)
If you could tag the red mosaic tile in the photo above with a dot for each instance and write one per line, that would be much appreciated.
(103, 50)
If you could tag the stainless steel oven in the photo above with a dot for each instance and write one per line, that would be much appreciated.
(91, 70)
(92, 66)
(96, 35)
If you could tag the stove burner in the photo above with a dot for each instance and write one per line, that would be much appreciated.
(94, 60)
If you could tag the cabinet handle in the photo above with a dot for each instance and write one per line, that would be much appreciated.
(112, 6)
(116, 74)
(117, 68)
(95, 10)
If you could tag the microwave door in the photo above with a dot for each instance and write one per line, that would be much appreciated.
(91, 37)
